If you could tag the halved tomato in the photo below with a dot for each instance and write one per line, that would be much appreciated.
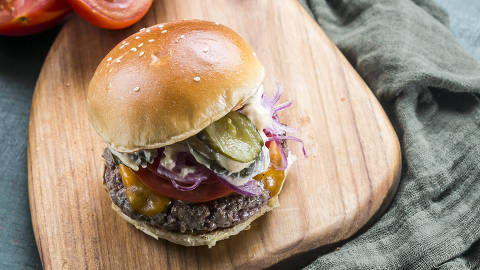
(209, 190)
(111, 14)
(25, 17)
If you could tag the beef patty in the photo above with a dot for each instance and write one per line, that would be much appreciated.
(182, 216)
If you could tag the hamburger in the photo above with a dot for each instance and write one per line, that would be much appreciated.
(195, 150)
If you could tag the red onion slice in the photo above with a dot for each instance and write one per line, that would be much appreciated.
(279, 128)
(193, 177)
(283, 137)
(185, 188)
(251, 188)
(282, 106)
(183, 160)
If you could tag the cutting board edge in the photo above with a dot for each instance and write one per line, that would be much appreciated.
(395, 159)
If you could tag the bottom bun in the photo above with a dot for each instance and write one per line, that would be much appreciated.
(205, 239)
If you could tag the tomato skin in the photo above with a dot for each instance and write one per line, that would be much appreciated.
(106, 17)
(30, 17)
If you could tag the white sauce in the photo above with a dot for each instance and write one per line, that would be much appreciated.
(125, 158)
(239, 181)
(186, 170)
(171, 152)
(230, 164)
(254, 110)
(129, 158)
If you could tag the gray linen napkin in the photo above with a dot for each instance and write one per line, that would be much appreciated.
(430, 88)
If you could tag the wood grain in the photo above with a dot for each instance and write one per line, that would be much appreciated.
(353, 165)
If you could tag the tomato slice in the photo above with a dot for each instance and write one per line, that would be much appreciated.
(209, 190)
(111, 14)
(30, 16)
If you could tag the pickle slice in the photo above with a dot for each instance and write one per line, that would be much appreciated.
(234, 136)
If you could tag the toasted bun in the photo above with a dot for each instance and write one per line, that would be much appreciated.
(205, 239)
(168, 82)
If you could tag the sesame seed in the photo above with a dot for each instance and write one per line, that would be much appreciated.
(123, 42)
(205, 50)
(163, 31)
(137, 37)
(151, 40)
(143, 29)
(154, 59)
(148, 31)
(216, 23)
(182, 36)
(197, 79)
(160, 26)
(109, 59)
(136, 88)
(121, 47)
(117, 61)
(140, 45)
(141, 53)
(133, 49)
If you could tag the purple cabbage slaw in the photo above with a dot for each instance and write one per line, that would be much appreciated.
(276, 132)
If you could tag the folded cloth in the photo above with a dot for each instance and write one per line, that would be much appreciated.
(430, 88)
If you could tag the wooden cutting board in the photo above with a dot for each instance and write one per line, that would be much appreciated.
(353, 164)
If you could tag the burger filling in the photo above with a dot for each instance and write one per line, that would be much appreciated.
(215, 179)
(182, 216)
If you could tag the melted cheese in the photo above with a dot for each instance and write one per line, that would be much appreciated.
(254, 110)
(141, 198)
(273, 179)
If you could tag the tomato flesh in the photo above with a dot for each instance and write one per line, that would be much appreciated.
(209, 190)
(111, 14)
(30, 16)
(203, 193)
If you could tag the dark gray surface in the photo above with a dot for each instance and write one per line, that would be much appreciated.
(465, 23)
(20, 63)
